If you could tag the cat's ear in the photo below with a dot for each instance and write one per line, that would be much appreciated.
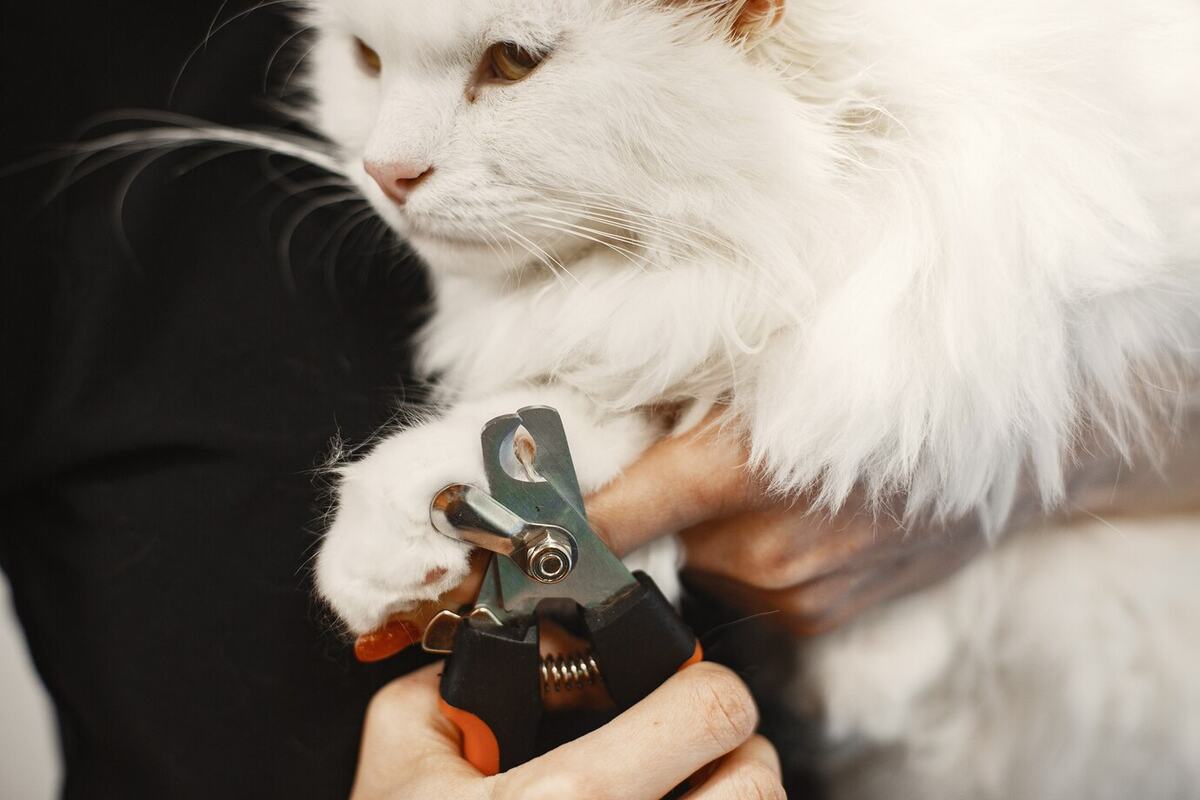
(756, 17)
(742, 20)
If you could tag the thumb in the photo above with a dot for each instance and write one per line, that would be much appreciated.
(680, 481)
(404, 717)
(406, 740)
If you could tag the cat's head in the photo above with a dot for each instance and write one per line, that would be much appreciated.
(502, 134)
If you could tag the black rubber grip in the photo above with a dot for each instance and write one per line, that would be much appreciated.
(639, 641)
(494, 674)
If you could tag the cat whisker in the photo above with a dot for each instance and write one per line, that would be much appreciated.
(208, 34)
(281, 181)
(90, 157)
(552, 263)
(658, 224)
(639, 262)
(123, 189)
(345, 229)
(183, 130)
(493, 242)
(152, 138)
(456, 212)
(645, 226)
(581, 232)
(80, 167)
(711, 247)
(285, 242)
(295, 67)
(576, 222)
(275, 54)
(703, 243)
(212, 31)
(340, 231)
(205, 158)
(625, 212)
(584, 212)
(380, 232)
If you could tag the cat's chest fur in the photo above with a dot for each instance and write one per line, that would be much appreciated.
(623, 334)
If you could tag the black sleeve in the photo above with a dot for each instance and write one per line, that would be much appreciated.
(170, 386)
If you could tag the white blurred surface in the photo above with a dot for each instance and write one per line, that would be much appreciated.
(29, 762)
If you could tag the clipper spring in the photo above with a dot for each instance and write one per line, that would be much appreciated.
(570, 672)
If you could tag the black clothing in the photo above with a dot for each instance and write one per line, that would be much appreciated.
(165, 405)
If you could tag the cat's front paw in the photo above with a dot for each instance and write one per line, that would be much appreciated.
(381, 555)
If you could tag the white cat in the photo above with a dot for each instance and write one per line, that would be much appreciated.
(919, 247)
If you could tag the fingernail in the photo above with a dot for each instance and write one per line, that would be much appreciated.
(384, 642)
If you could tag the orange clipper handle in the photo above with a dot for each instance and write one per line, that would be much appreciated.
(480, 746)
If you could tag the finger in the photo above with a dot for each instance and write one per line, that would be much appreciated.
(908, 574)
(752, 772)
(406, 738)
(770, 549)
(829, 601)
(784, 547)
(699, 715)
(787, 546)
(404, 713)
(677, 483)
(804, 610)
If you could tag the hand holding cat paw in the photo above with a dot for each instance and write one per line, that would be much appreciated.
(758, 551)
(766, 553)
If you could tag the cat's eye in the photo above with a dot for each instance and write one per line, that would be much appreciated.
(368, 59)
(508, 62)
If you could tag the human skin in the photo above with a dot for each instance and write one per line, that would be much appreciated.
(697, 727)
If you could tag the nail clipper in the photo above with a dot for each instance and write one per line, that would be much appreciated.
(546, 562)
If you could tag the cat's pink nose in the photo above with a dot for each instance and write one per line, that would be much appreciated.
(398, 179)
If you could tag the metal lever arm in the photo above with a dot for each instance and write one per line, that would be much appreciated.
(546, 553)
(471, 515)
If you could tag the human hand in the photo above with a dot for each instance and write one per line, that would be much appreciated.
(767, 553)
(699, 724)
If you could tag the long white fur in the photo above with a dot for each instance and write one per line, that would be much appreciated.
(1061, 667)
(919, 247)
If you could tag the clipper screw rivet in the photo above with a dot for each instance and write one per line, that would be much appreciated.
(550, 560)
